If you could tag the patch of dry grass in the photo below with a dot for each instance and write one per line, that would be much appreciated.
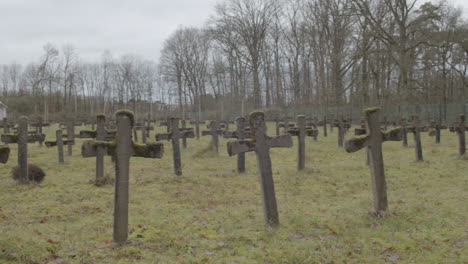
(214, 215)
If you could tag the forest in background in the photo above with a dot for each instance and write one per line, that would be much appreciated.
(262, 54)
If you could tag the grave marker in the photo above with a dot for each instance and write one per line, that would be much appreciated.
(4, 154)
(372, 141)
(460, 130)
(174, 136)
(240, 134)
(59, 144)
(214, 132)
(123, 148)
(261, 144)
(301, 131)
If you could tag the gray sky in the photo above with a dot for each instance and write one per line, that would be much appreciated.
(92, 26)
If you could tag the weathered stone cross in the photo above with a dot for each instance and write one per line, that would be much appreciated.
(197, 124)
(373, 142)
(59, 144)
(122, 148)
(214, 132)
(342, 126)
(301, 131)
(437, 126)
(174, 135)
(460, 130)
(100, 134)
(241, 133)
(22, 138)
(416, 129)
(261, 144)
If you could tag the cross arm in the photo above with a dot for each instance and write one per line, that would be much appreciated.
(187, 133)
(160, 137)
(240, 146)
(150, 151)
(13, 138)
(356, 143)
(395, 134)
(312, 132)
(284, 141)
(50, 144)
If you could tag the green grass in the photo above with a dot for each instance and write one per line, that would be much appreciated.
(213, 215)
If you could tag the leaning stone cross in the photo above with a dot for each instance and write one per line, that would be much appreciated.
(261, 144)
(372, 141)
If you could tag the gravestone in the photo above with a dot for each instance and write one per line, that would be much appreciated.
(261, 144)
(197, 124)
(342, 126)
(403, 125)
(214, 132)
(437, 126)
(460, 129)
(416, 129)
(59, 142)
(372, 141)
(241, 133)
(122, 148)
(22, 138)
(301, 131)
(174, 135)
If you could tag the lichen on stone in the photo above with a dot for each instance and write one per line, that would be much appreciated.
(127, 113)
(368, 111)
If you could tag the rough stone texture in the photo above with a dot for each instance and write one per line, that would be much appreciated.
(261, 143)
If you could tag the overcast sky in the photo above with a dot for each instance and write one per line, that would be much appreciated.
(92, 26)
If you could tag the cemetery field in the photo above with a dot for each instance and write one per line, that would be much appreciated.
(214, 215)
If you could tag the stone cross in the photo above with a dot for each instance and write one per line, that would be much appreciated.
(4, 154)
(184, 127)
(100, 134)
(167, 124)
(59, 144)
(6, 126)
(403, 125)
(437, 126)
(241, 133)
(342, 126)
(325, 134)
(197, 124)
(460, 130)
(174, 135)
(22, 138)
(277, 126)
(286, 125)
(416, 129)
(214, 132)
(261, 144)
(301, 131)
(372, 141)
(70, 136)
(122, 148)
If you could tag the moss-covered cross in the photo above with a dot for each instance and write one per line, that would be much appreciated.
(373, 140)
(261, 144)
(122, 148)
(436, 126)
(342, 125)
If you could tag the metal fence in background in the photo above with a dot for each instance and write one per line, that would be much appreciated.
(448, 113)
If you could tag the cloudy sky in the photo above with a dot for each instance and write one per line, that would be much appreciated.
(92, 26)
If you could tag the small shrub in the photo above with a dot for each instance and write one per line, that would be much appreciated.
(35, 174)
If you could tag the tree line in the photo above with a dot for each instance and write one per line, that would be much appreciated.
(272, 54)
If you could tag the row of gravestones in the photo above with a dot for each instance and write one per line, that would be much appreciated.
(252, 139)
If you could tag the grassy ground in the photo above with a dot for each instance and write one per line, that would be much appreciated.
(213, 215)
